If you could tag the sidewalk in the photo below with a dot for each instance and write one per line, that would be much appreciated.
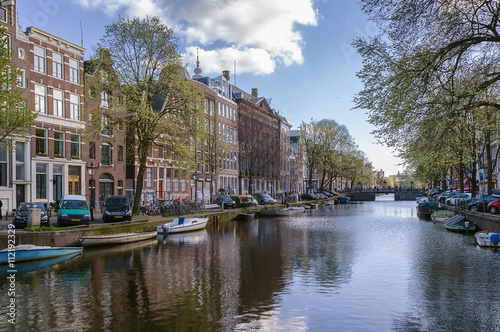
(53, 220)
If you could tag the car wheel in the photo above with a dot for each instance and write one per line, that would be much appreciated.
(474, 208)
(493, 210)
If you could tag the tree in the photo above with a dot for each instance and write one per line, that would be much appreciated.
(259, 142)
(162, 104)
(428, 74)
(15, 117)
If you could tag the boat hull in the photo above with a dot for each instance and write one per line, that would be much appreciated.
(25, 253)
(187, 225)
(487, 239)
(106, 240)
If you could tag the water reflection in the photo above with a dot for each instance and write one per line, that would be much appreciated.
(358, 267)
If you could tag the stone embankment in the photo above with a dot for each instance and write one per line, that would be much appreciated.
(69, 237)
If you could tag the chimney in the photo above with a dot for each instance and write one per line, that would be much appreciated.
(225, 73)
(255, 94)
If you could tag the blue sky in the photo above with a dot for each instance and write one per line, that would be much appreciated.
(297, 52)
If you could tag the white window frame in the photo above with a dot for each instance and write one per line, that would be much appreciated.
(74, 71)
(58, 102)
(105, 99)
(58, 65)
(60, 141)
(40, 99)
(39, 55)
(74, 106)
(22, 79)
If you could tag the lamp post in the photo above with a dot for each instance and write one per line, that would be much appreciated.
(195, 177)
(91, 170)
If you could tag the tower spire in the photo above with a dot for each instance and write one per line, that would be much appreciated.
(197, 70)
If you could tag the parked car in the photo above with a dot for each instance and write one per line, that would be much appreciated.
(264, 198)
(309, 197)
(494, 206)
(22, 212)
(327, 193)
(252, 200)
(320, 195)
(226, 200)
(117, 208)
(481, 204)
(73, 210)
(454, 199)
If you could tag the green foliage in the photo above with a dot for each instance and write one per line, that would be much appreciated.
(15, 117)
(428, 77)
(162, 104)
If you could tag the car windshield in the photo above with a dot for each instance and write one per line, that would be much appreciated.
(116, 201)
(265, 196)
(225, 198)
(75, 205)
(25, 207)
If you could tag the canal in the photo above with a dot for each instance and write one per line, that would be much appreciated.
(371, 266)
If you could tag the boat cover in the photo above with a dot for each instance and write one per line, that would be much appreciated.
(456, 220)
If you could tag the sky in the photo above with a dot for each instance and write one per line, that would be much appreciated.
(297, 53)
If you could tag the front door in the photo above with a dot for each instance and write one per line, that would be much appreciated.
(20, 194)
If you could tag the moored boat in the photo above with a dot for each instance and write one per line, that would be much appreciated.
(113, 239)
(426, 208)
(487, 239)
(245, 216)
(31, 252)
(183, 224)
(343, 199)
(459, 223)
(282, 212)
(442, 215)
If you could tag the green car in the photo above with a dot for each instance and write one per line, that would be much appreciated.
(73, 210)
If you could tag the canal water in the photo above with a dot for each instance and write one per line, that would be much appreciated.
(371, 266)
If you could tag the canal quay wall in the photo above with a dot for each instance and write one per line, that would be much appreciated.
(69, 237)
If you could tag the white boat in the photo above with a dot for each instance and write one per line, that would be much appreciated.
(182, 224)
(106, 240)
(487, 239)
(282, 212)
(441, 215)
(31, 252)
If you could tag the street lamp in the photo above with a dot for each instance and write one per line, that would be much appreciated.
(195, 177)
(92, 169)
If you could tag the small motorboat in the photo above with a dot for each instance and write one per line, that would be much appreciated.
(343, 199)
(31, 252)
(182, 224)
(113, 239)
(459, 223)
(487, 239)
(245, 216)
(282, 212)
(426, 208)
(441, 215)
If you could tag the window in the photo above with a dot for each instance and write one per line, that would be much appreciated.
(74, 106)
(120, 154)
(92, 150)
(107, 128)
(75, 146)
(20, 53)
(41, 181)
(74, 71)
(3, 14)
(20, 161)
(120, 188)
(41, 142)
(58, 144)
(104, 77)
(149, 177)
(106, 155)
(22, 78)
(104, 99)
(39, 60)
(58, 98)
(40, 99)
(57, 65)
(3, 164)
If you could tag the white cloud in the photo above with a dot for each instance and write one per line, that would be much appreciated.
(258, 34)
